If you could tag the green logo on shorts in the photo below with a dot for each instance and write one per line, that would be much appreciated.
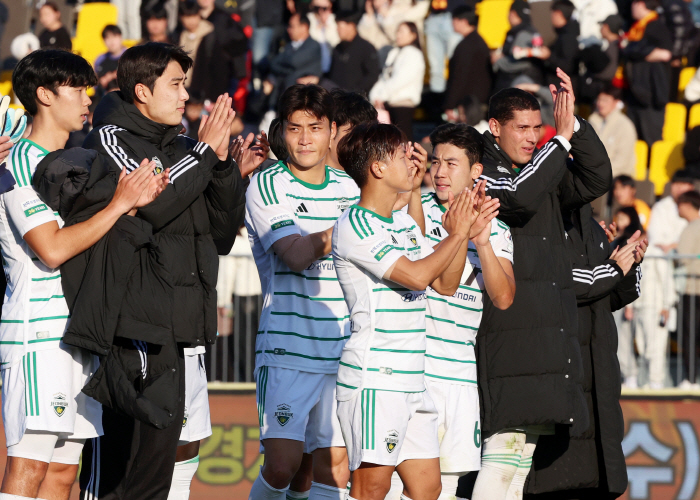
(59, 404)
(283, 415)
(391, 440)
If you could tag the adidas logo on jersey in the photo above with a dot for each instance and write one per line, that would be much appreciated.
(436, 232)
(301, 209)
(59, 403)
(391, 440)
(393, 240)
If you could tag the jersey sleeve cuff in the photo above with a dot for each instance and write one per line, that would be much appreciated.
(562, 142)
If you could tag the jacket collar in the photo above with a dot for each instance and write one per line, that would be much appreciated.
(493, 151)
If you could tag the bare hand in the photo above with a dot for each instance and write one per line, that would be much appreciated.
(563, 98)
(249, 155)
(131, 187)
(215, 129)
(464, 210)
(624, 257)
(482, 227)
(5, 146)
(642, 245)
(419, 156)
(156, 185)
(610, 231)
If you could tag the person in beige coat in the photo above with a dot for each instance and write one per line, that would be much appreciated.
(382, 18)
(616, 131)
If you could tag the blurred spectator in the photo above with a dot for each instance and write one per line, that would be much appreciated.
(21, 45)
(691, 152)
(665, 225)
(680, 24)
(301, 57)
(401, 82)
(563, 53)
(232, 45)
(688, 207)
(268, 26)
(323, 29)
(601, 60)
(194, 32)
(615, 130)
(156, 21)
(540, 13)
(471, 112)
(647, 53)
(590, 14)
(355, 65)
(517, 56)
(625, 193)
(54, 36)
(129, 18)
(112, 37)
(470, 66)
(441, 40)
(4, 17)
(692, 90)
(382, 17)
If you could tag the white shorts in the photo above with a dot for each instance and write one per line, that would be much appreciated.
(386, 428)
(459, 427)
(196, 424)
(298, 405)
(41, 392)
(47, 447)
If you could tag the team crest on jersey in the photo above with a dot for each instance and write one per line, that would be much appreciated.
(283, 415)
(159, 165)
(184, 418)
(59, 403)
(343, 204)
(391, 440)
(502, 169)
(413, 238)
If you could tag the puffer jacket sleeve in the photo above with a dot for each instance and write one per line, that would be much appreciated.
(592, 283)
(589, 176)
(225, 198)
(628, 290)
(188, 178)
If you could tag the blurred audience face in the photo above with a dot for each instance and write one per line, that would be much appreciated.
(404, 36)
(558, 19)
(49, 18)
(322, 9)
(451, 171)
(639, 10)
(166, 104)
(605, 104)
(297, 30)
(308, 138)
(114, 43)
(607, 34)
(191, 23)
(514, 18)
(624, 195)
(347, 31)
(687, 211)
(157, 28)
(206, 4)
(678, 188)
(518, 137)
(193, 111)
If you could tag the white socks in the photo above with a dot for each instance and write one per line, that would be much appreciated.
(182, 478)
(324, 492)
(449, 486)
(263, 491)
(297, 495)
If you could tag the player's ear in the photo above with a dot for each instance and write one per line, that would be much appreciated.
(494, 127)
(477, 170)
(377, 169)
(44, 96)
(142, 93)
(334, 132)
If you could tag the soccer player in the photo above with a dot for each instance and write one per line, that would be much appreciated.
(351, 109)
(46, 417)
(384, 265)
(452, 321)
(290, 211)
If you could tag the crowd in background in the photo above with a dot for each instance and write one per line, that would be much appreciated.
(423, 62)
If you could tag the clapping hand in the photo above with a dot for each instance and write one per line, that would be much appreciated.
(249, 155)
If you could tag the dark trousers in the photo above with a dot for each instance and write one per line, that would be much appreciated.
(132, 460)
(691, 337)
(648, 121)
(402, 118)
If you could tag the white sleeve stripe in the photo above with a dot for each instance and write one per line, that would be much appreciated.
(184, 168)
(109, 141)
(512, 185)
(590, 281)
(597, 270)
(186, 160)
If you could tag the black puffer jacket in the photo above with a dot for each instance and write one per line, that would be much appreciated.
(528, 355)
(196, 217)
(593, 464)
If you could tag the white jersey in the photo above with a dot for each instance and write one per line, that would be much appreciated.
(35, 313)
(304, 321)
(452, 322)
(386, 350)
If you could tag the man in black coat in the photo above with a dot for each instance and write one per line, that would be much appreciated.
(563, 53)
(528, 356)
(354, 64)
(470, 64)
(196, 219)
(592, 466)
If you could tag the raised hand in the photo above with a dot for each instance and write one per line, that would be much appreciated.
(642, 244)
(563, 98)
(131, 187)
(419, 157)
(215, 129)
(249, 155)
(481, 229)
(156, 185)
(610, 231)
(625, 256)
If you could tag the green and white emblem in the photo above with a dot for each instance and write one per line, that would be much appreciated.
(391, 440)
(283, 414)
(59, 403)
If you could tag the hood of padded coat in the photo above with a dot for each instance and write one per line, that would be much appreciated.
(113, 109)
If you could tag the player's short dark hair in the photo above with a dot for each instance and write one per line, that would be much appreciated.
(624, 180)
(275, 137)
(49, 68)
(111, 29)
(313, 99)
(566, 7)
(504, 104)
(145, 64)
(465, 12)
(188, 8)
(365, 144)
(462, 136)
(691, 197)
(612, 90)
(352, 108)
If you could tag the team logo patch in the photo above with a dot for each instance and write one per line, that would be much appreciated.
(184, 418)
(391, 440)
(35, 210)
(59, 403)
(283, 415)
(343, 204)
(502, 169)
(413, 238)
(159, 165)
